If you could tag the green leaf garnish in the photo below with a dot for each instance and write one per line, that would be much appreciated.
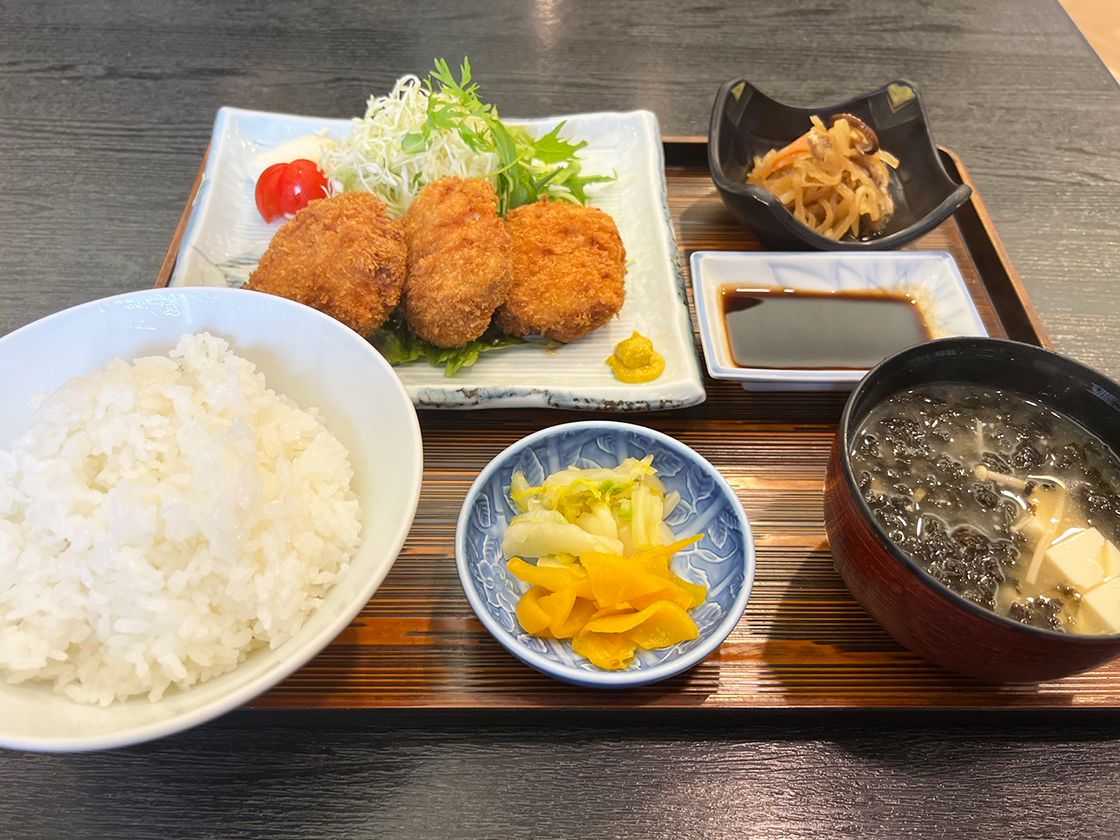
(528, 167)
(397, 343)
(551, 149)
(451, 114)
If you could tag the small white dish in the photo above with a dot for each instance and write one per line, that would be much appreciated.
(304, 354)
(226, 237)
(930, 278)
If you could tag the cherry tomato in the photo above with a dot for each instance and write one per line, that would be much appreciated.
(286, 188)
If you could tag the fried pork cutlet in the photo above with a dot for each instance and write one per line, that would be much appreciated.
(458, 261)
(569, 271)
(342, 255)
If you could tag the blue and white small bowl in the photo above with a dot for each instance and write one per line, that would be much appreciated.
(723, 561)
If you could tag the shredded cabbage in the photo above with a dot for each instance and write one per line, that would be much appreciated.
(373, 156)
(438, 128)
(625, 505)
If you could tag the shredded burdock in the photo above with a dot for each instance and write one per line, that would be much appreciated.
(833, 179)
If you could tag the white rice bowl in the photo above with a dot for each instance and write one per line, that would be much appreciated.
(242, 578)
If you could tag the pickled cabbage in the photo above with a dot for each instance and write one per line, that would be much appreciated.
(623, 507)
(602, 576)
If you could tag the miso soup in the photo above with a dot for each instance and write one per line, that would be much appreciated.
(1008, 503)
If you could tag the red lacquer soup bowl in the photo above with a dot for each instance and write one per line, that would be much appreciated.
(911, 605)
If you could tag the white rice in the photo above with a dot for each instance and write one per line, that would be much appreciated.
(161, 519)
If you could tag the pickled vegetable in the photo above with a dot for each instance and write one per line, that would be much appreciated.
(617, 511)
(608, 651)
(609, 604)
(531, 614)
(602, 576)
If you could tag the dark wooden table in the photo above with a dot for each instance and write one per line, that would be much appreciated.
(105, 112)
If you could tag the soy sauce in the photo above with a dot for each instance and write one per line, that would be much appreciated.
(789, 329)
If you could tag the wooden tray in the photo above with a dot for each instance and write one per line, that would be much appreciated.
(803, 642)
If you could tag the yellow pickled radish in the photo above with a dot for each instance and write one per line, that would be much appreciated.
(610, 604)
(670, 591)
(656, 559)
(608, 651)
(558, 605)
(615, 578)
(617, 609)
(552, 578)
(621, 623)
(532, 617)
(665, 625)
(581, 613)
(697, 594)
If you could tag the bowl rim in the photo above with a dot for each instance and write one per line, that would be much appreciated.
(190, 718)
(950, 204)
(628, 677)
(713, 328)
(955, 599)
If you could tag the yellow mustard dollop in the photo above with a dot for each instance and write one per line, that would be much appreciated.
(635, 360)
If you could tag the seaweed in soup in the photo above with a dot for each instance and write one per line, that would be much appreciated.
(960, 478)
(1037, 612)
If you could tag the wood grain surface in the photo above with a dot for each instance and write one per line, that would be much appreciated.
(105, 112)
(889, 780)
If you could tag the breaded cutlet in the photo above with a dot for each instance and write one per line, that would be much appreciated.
(342, 255)
(458, 261)
(569, 271)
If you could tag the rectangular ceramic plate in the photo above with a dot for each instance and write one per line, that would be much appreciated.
(226, 237)
(931, 279)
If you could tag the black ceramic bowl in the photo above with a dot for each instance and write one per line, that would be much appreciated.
(746, 123)
(912, 606)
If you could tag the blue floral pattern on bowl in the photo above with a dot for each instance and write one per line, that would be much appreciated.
(723, 560)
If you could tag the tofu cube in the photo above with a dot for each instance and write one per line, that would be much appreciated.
(1100, 609)
(1110, 559)
(1074, 561)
